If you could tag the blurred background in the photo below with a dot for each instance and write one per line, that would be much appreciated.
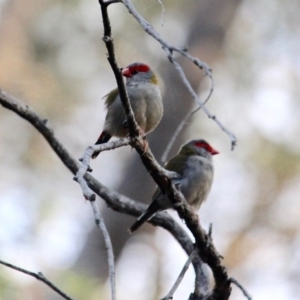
(52, 58)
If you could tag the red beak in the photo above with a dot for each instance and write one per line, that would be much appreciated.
(214, 151)
(126, 72)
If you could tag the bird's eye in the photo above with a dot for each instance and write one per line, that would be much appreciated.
(133, 72)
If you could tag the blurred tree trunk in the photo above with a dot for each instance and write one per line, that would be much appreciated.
(208, 23)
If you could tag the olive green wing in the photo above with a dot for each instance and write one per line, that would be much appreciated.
(110, 97)
(176, 163)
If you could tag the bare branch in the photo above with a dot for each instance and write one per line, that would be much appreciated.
(120, 203)
(206, 248)
(197, 100)
(38, 276)
(114, 200)
(184, 122)
(107, 146)
(163, 12)
(208, 252)
(87, 193)
(169, 50)
(149, 29)
(180, 127)
(181, 275)
(246, 294)
(159, 174)
(133, 127)
(110, 254)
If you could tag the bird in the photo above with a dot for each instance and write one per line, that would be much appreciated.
(146, 102)
(194, 165)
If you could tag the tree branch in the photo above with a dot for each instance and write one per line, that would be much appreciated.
(38, 276)
(114, 200)
(109, 249)
(207, 251)
(87, 193)
(180, 277)
(169, 50)
(246, 294)
(133, 127)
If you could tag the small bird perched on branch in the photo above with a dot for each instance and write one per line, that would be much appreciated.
(194, 165)
(144, 95)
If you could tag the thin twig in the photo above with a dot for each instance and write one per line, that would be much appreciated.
(87, 192)
(197, 99)
(163, 12)
(159, 174)
(150, 30)
(246, 294)
(208, 252)
(170, 49)
(109, 249)
(114, 200)
(107, 146)
(181, 275)
(133, 127)
(184, 122)
(175, 135)
(38, 276)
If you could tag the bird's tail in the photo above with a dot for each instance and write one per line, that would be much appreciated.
(148, 214)
(103, 138)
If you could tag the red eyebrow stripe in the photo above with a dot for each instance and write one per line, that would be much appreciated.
(139, 68)
(201, 144)
(207, 147)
